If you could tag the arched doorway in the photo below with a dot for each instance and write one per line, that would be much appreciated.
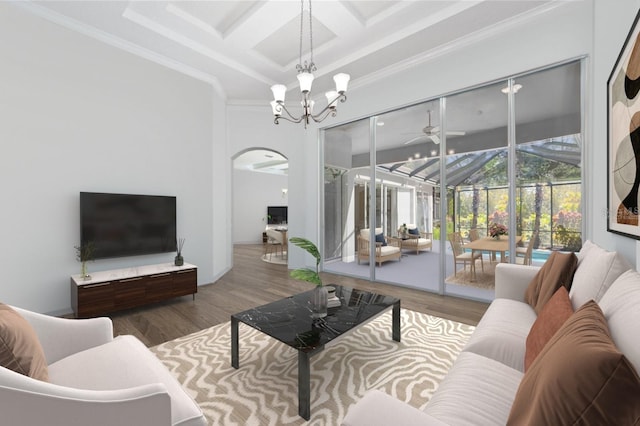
(260, 198)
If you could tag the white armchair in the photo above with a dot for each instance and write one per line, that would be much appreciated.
(94, 379)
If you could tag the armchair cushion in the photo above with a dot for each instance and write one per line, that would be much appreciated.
(414, 231)
(20, 349)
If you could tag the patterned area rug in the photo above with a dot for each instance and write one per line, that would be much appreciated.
(263, 391)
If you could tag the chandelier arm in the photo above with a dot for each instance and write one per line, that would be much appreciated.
(324, 114)
(282, 108)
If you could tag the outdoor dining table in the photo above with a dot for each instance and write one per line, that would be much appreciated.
(492, 245)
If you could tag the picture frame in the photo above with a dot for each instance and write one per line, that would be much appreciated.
(623, 137)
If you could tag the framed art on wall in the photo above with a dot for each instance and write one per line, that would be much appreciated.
(623, 150)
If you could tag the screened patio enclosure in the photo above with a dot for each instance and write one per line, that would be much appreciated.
(508, 152)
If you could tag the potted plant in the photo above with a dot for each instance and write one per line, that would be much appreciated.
(497, 229)
(320, 294)
(84, 254)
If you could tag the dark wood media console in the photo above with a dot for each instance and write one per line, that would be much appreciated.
(111, 291)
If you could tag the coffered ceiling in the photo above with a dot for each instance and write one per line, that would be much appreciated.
(244, 47)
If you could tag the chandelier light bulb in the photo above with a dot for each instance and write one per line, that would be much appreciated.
(342, 81)
(305, 79)
(275, 107)
(332, 98)
(278, 92)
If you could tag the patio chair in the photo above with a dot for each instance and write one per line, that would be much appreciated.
(524, 255)
(460, 256)
(416, 240)
(388, 248)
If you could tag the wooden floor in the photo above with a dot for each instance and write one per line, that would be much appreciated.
(252, 282)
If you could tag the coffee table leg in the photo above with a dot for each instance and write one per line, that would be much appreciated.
(235, 360)
(304, 386)
(396, 321)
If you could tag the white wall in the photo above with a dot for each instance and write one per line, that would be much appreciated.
(613, 22)
(252, 127)
(252, 193)
(79, 115)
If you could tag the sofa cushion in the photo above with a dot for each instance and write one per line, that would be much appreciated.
(476, 391)
(580, 377)
(621, 307)
(551, 318)
(556, 272)
(20, 349)
(598, 269)
(124, 363)
(379, 408)
(501, 340)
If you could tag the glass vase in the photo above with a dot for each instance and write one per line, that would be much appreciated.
(319, 297)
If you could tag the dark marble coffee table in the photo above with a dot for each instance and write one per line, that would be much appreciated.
(289, 321)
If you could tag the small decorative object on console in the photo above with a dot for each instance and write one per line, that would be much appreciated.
(179, 260)
(84, 254)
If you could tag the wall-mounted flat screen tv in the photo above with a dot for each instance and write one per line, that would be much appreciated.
(276, 215)
(121, 225)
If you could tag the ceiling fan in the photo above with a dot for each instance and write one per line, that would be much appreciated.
(433, 133)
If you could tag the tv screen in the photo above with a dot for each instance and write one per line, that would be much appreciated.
(276, 215)
(121, 225)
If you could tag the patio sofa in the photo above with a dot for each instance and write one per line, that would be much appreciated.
(387, 248)
(73, 372)
(495, 382)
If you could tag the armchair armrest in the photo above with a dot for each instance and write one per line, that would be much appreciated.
(512, 280)
(61, 337)
(41, 403)
(393, 241)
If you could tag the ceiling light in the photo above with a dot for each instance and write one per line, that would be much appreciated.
(305, 79)
(516, 88)
(380, 123)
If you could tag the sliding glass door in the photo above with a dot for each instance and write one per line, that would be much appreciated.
(434, 195)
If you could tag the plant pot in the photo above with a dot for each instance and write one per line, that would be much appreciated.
(318, 302)
(179, 260)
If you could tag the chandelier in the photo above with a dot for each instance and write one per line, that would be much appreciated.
(305, 79)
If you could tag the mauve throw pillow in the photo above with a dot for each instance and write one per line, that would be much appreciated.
(556, 272)
(20, 349)
(579, 378)
(554, 314)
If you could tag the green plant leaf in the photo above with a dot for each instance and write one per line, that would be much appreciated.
(308, 246)
(306, 274)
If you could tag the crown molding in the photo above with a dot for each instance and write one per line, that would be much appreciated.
(463, 42)
(119, 43)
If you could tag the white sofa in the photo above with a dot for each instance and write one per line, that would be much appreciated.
(94, 379)
(481, 386)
